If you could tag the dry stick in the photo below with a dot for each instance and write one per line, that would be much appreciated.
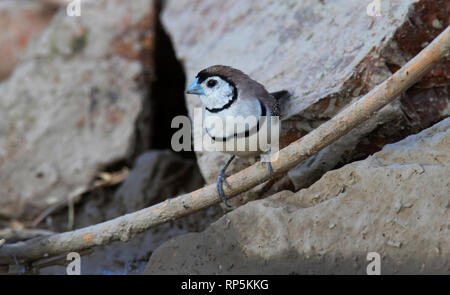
(107, 179)
(126, 226)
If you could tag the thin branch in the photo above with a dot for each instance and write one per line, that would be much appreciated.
(23, 233)
(125, 227)
(106, 179)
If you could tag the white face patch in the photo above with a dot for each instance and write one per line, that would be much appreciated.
(218, 92)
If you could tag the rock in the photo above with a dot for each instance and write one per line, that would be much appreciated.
(156, 176)
(21, 21)
(327, 54)
(70, 108)
(329, 228)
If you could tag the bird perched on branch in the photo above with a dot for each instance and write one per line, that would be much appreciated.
(240, 109)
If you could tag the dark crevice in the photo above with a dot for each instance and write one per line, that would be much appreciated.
(163, 79)
(167, 90)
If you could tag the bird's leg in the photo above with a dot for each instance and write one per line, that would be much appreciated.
(221, 179)
(269, 165)
(269, 168)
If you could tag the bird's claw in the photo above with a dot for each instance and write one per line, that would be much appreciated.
(221, 180)
(224, 180)
(269, 167)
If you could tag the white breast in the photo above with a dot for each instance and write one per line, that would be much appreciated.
(251, 145)
(242, 115)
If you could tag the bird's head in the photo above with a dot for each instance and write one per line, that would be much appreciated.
(216, 86)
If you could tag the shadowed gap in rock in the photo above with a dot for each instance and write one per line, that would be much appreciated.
(167, 90)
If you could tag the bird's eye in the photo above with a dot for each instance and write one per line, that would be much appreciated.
(211, 83)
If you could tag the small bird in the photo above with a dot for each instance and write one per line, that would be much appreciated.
(227, 93)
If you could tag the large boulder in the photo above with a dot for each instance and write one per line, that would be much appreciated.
(395, 203)
(327, 54)
(71, 107)
(21, 21)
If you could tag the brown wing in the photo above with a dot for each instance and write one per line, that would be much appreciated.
(254, 90)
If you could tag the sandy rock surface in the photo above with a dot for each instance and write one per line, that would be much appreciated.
(395, 203)
(327, 54)
(70, 108)
(21, 22)
(85, 99)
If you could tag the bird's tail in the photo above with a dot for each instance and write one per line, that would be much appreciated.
(280, 94)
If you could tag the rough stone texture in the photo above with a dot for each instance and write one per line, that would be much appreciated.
(156, 175)
(20, 21)
(70, 108)
(395, 203)
(327, 54)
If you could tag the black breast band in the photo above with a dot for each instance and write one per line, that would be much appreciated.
(227, 105)
(242, 134)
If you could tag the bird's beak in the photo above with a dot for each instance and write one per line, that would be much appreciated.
(195, 88)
